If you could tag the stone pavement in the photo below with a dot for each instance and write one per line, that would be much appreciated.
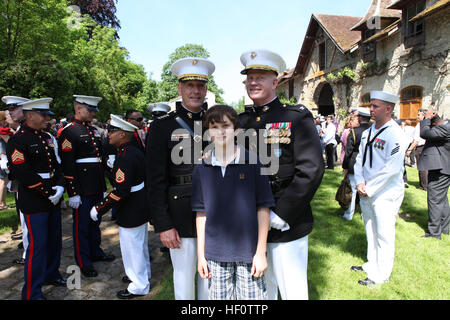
(102, 287)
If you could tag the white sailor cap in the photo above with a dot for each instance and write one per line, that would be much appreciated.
(118, 122)
(384, 96)
(13, 100)
(363, 112)
(89, 101)
(39, 105)
(192, 69)
(159, 106)
(262, 60)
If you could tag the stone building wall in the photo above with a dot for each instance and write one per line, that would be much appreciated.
(428, 68)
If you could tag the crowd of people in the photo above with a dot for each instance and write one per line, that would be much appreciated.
(221, 209)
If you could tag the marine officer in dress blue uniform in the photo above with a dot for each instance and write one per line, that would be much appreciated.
(82, 162)
(379, 171)
(17, 116)
(291, 133)
(33, 162)
(130, 198)
(170, 183)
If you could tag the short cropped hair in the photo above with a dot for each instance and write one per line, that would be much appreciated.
(216, 113)
(129, 112)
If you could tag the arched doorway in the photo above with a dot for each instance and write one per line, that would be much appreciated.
(325, 100)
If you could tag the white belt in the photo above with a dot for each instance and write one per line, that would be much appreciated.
(89, 160)
(45, 175)
(138, 187)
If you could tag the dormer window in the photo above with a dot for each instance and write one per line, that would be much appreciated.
(414, 32)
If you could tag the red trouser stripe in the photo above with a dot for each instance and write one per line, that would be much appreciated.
(77, 238)
(30, 257)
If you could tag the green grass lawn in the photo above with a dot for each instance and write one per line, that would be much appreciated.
(421, 268)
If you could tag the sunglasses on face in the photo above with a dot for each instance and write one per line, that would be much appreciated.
(137, 119)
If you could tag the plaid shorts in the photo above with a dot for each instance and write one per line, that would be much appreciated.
(233, 281)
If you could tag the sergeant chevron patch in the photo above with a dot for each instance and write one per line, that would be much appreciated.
(120, 176)
(17, 157)
(66, 145)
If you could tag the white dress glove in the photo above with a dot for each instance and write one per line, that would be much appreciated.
(4, 162)
(57, 196)
(74, 202)
(110, 161)
(277, 223)
(94, 214)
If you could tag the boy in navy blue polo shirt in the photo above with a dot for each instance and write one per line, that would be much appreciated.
(232, 201)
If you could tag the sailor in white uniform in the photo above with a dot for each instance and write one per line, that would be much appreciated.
(379, 177)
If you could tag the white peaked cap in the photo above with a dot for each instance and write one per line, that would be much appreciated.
(364, 112)
(384, 96)
(262, 60)
(159, 106)
(89, 101)
(39, 105)
(192, 69)
(13, 100)
(118, 122)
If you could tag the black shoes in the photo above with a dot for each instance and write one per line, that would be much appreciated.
(89, 272)
(125, 279)
(357, 268)
(428, 235)
(105, 258)
(366, 282)
(61, 282)
(125, 294)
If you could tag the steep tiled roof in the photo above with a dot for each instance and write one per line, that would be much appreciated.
(338, 27)
(379, 8)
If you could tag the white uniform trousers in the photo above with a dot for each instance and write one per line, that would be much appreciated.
(348, 214)
(184, 262)
(135, 257)
(379, 216)
(24, 233)
(287, 270)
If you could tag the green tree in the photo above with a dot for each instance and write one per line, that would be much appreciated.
(47, 50)
(168, 85)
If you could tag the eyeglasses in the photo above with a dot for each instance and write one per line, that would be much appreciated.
(136, 119)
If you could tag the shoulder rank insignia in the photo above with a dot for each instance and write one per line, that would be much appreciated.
(120, 176)
(66, 145)
(17, 157)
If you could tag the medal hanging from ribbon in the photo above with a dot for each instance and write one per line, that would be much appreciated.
(278, 132)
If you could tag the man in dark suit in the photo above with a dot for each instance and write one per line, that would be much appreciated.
(435, 158)
(351, 151)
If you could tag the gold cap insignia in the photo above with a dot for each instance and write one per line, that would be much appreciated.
(253, 55)
(195, 62)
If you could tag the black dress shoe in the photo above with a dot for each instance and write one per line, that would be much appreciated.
(366, 282)
(357, 268)
(428, 235)
(125, 294)
(19, 261)
(89, 272)
(125, 279)
(61, 282)
(105, 258)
